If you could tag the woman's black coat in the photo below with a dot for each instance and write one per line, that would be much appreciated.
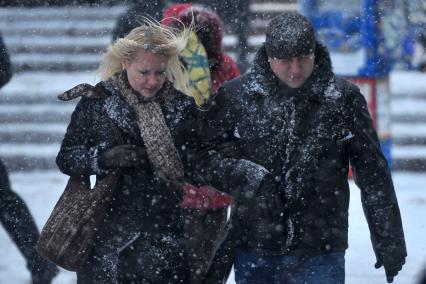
(143, 206)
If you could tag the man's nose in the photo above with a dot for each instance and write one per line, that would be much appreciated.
(295, 66)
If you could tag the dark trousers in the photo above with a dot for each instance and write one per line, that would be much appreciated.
(202, 230)
(324, 268)
(16, 218)
(19, 224)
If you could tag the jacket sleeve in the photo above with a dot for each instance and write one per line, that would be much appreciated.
(78, 155)
(230, 175)
(5, 65)
(372, 175)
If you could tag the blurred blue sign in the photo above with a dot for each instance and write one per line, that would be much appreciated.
(365, 37)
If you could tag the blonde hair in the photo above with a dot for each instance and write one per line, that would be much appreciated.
(156, 38)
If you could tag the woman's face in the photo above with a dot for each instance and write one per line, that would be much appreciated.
(147, 72)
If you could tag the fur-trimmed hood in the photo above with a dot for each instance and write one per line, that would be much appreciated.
(209, 29)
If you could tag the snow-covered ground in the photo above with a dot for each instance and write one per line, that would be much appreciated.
(41, 190)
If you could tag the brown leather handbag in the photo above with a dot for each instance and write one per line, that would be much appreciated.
(67, 237)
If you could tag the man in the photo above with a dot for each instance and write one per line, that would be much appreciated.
(297, 126)
(14, 214)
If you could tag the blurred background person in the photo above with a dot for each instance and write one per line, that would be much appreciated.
(209, 29)
(133, 16)
(193, 56)
(236, 16)
(205, 209)
(419, 57)
(14, 213)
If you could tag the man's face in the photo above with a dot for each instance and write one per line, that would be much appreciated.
(294, 71)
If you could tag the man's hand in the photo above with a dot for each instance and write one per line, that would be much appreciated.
(392, 266)
(123, 156)
(270, 207)
(229, 149)
(265, 216)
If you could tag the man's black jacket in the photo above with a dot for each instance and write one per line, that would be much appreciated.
(306, 138)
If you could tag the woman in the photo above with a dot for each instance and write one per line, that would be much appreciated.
(140, 239)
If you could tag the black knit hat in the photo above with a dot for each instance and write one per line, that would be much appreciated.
(289, 35)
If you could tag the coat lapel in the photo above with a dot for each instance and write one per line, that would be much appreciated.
(122, 115)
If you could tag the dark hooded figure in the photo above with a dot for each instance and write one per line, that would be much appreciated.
(14, 213)
(209, 30)
(5, 65)
(236, 15)
(133, 16)
(298, 127)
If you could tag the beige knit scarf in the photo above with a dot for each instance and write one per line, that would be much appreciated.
(158, 141)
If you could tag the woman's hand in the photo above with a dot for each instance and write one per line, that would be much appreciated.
(123, 156)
